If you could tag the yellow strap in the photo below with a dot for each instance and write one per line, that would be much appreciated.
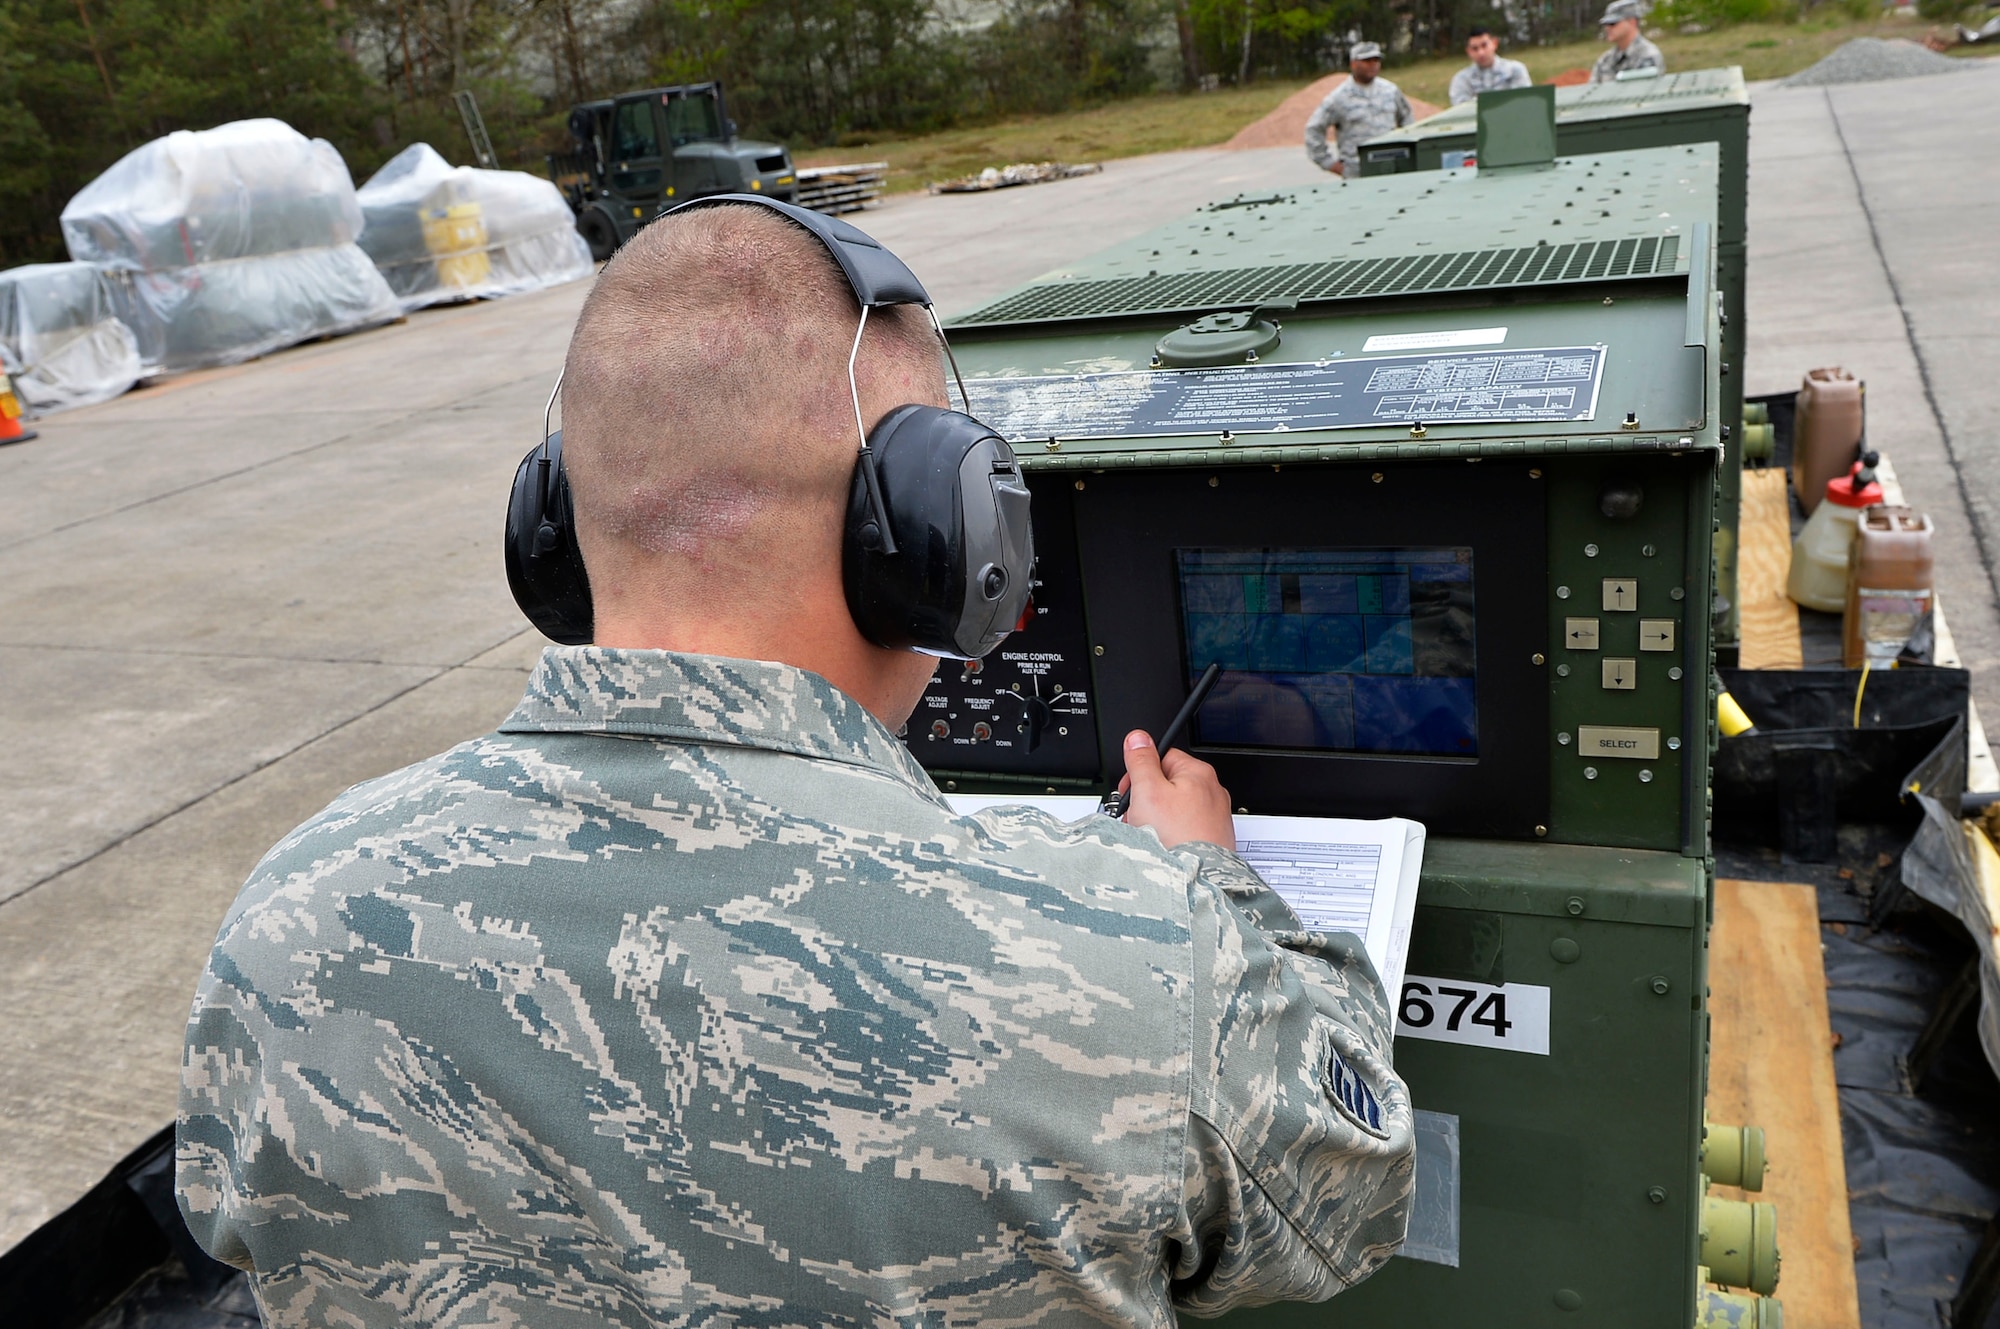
(1860, 688)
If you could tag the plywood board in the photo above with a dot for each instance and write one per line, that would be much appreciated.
(1770, 1064)
(1769, 620)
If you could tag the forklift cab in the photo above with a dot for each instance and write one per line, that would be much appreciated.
(647, 151)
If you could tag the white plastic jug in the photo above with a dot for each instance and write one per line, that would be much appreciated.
(1818, 576)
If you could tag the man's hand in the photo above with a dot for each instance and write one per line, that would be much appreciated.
(1181, 801)
(1338, 168)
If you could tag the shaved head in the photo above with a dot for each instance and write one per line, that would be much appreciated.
(708, 432)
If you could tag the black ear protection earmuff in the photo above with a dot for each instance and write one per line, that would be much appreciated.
(937, 551)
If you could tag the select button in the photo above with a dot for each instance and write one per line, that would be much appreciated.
(1609, 741)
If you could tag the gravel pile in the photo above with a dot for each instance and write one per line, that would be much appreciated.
(1870, 60)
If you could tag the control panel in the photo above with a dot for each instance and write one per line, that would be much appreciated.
(1495, 646)
(1025, 714)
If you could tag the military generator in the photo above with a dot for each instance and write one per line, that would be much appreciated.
(1430, 469)
(1700, 106)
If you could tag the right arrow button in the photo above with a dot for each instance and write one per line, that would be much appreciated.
(1656, 634)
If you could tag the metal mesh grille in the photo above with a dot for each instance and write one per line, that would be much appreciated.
(1351, 279)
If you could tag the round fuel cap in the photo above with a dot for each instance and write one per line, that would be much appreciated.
(1218, 339)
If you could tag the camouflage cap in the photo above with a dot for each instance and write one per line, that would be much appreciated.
(1619, 10)
(1365, 51)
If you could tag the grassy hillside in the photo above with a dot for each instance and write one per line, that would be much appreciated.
(1168, 121)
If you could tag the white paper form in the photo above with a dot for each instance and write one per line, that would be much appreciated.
(1336, 873)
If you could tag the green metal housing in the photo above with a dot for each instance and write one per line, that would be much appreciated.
(1576, 1175)
(1699, 106)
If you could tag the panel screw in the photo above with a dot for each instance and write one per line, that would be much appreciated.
(951, 784)
(1563, 738)
(1673, 745)
(1660, 985)
(1575, 906)
(1079, 484)
(1675, 673)
(1565, 950)
(1677, 594)
(1534, 473)
(1214, 481)
(1377, 477)
(1657, 1194)
(1590, 551)
(1562, 592)
(1536, 657)
(1097, 650)
(1645, 777)
(1562, 671)
(1647, 551)
(1541, 830)
(1568, 1299)
(1590, 772)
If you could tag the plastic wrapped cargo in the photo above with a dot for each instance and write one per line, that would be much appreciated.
(61, 340)
(441, 232)
(228, 243)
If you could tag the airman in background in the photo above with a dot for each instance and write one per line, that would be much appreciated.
(1356, 111)
(1629, 48)
(1489, 71)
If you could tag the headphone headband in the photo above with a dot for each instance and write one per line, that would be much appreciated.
(877, 277)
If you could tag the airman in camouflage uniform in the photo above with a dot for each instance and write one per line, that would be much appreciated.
(1630, 49)
(1356, 111)
(1489, 71)
(685, 998)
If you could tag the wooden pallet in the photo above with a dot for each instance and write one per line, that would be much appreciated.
(1770, 1064)
(838, 189)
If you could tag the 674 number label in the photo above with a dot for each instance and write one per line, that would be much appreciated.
(1513, 1016)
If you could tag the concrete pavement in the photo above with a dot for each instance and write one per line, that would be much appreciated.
(226, 598)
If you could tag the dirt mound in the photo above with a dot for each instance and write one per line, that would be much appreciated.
(1570, 78)
(1285, 127)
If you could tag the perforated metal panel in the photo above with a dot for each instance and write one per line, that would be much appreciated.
(1482, 269)
(1604, 218)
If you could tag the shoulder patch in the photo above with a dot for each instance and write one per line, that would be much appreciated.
(1351, 1094)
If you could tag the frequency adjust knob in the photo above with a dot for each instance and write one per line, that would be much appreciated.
(981, 732)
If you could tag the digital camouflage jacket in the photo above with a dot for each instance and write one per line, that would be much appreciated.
(684, 999)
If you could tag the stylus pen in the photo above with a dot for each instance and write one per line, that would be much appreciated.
(1116, 802)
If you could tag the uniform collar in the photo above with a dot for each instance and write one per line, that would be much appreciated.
(707, 699)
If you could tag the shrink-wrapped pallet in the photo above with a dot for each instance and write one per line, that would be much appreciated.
(441, 232)
(59, 338)
(228, 243)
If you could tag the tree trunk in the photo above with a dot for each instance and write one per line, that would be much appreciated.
(1249, 18)
(103, 70)
(1190, 53)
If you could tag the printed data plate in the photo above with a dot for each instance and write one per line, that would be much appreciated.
(1551, 385)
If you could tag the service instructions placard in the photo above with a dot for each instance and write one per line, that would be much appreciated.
(1554, 384)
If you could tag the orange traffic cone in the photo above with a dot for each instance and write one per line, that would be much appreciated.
(11, 430)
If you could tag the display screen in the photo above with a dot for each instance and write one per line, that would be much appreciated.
(1334, 650)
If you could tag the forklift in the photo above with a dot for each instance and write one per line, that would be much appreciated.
(635, 155)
